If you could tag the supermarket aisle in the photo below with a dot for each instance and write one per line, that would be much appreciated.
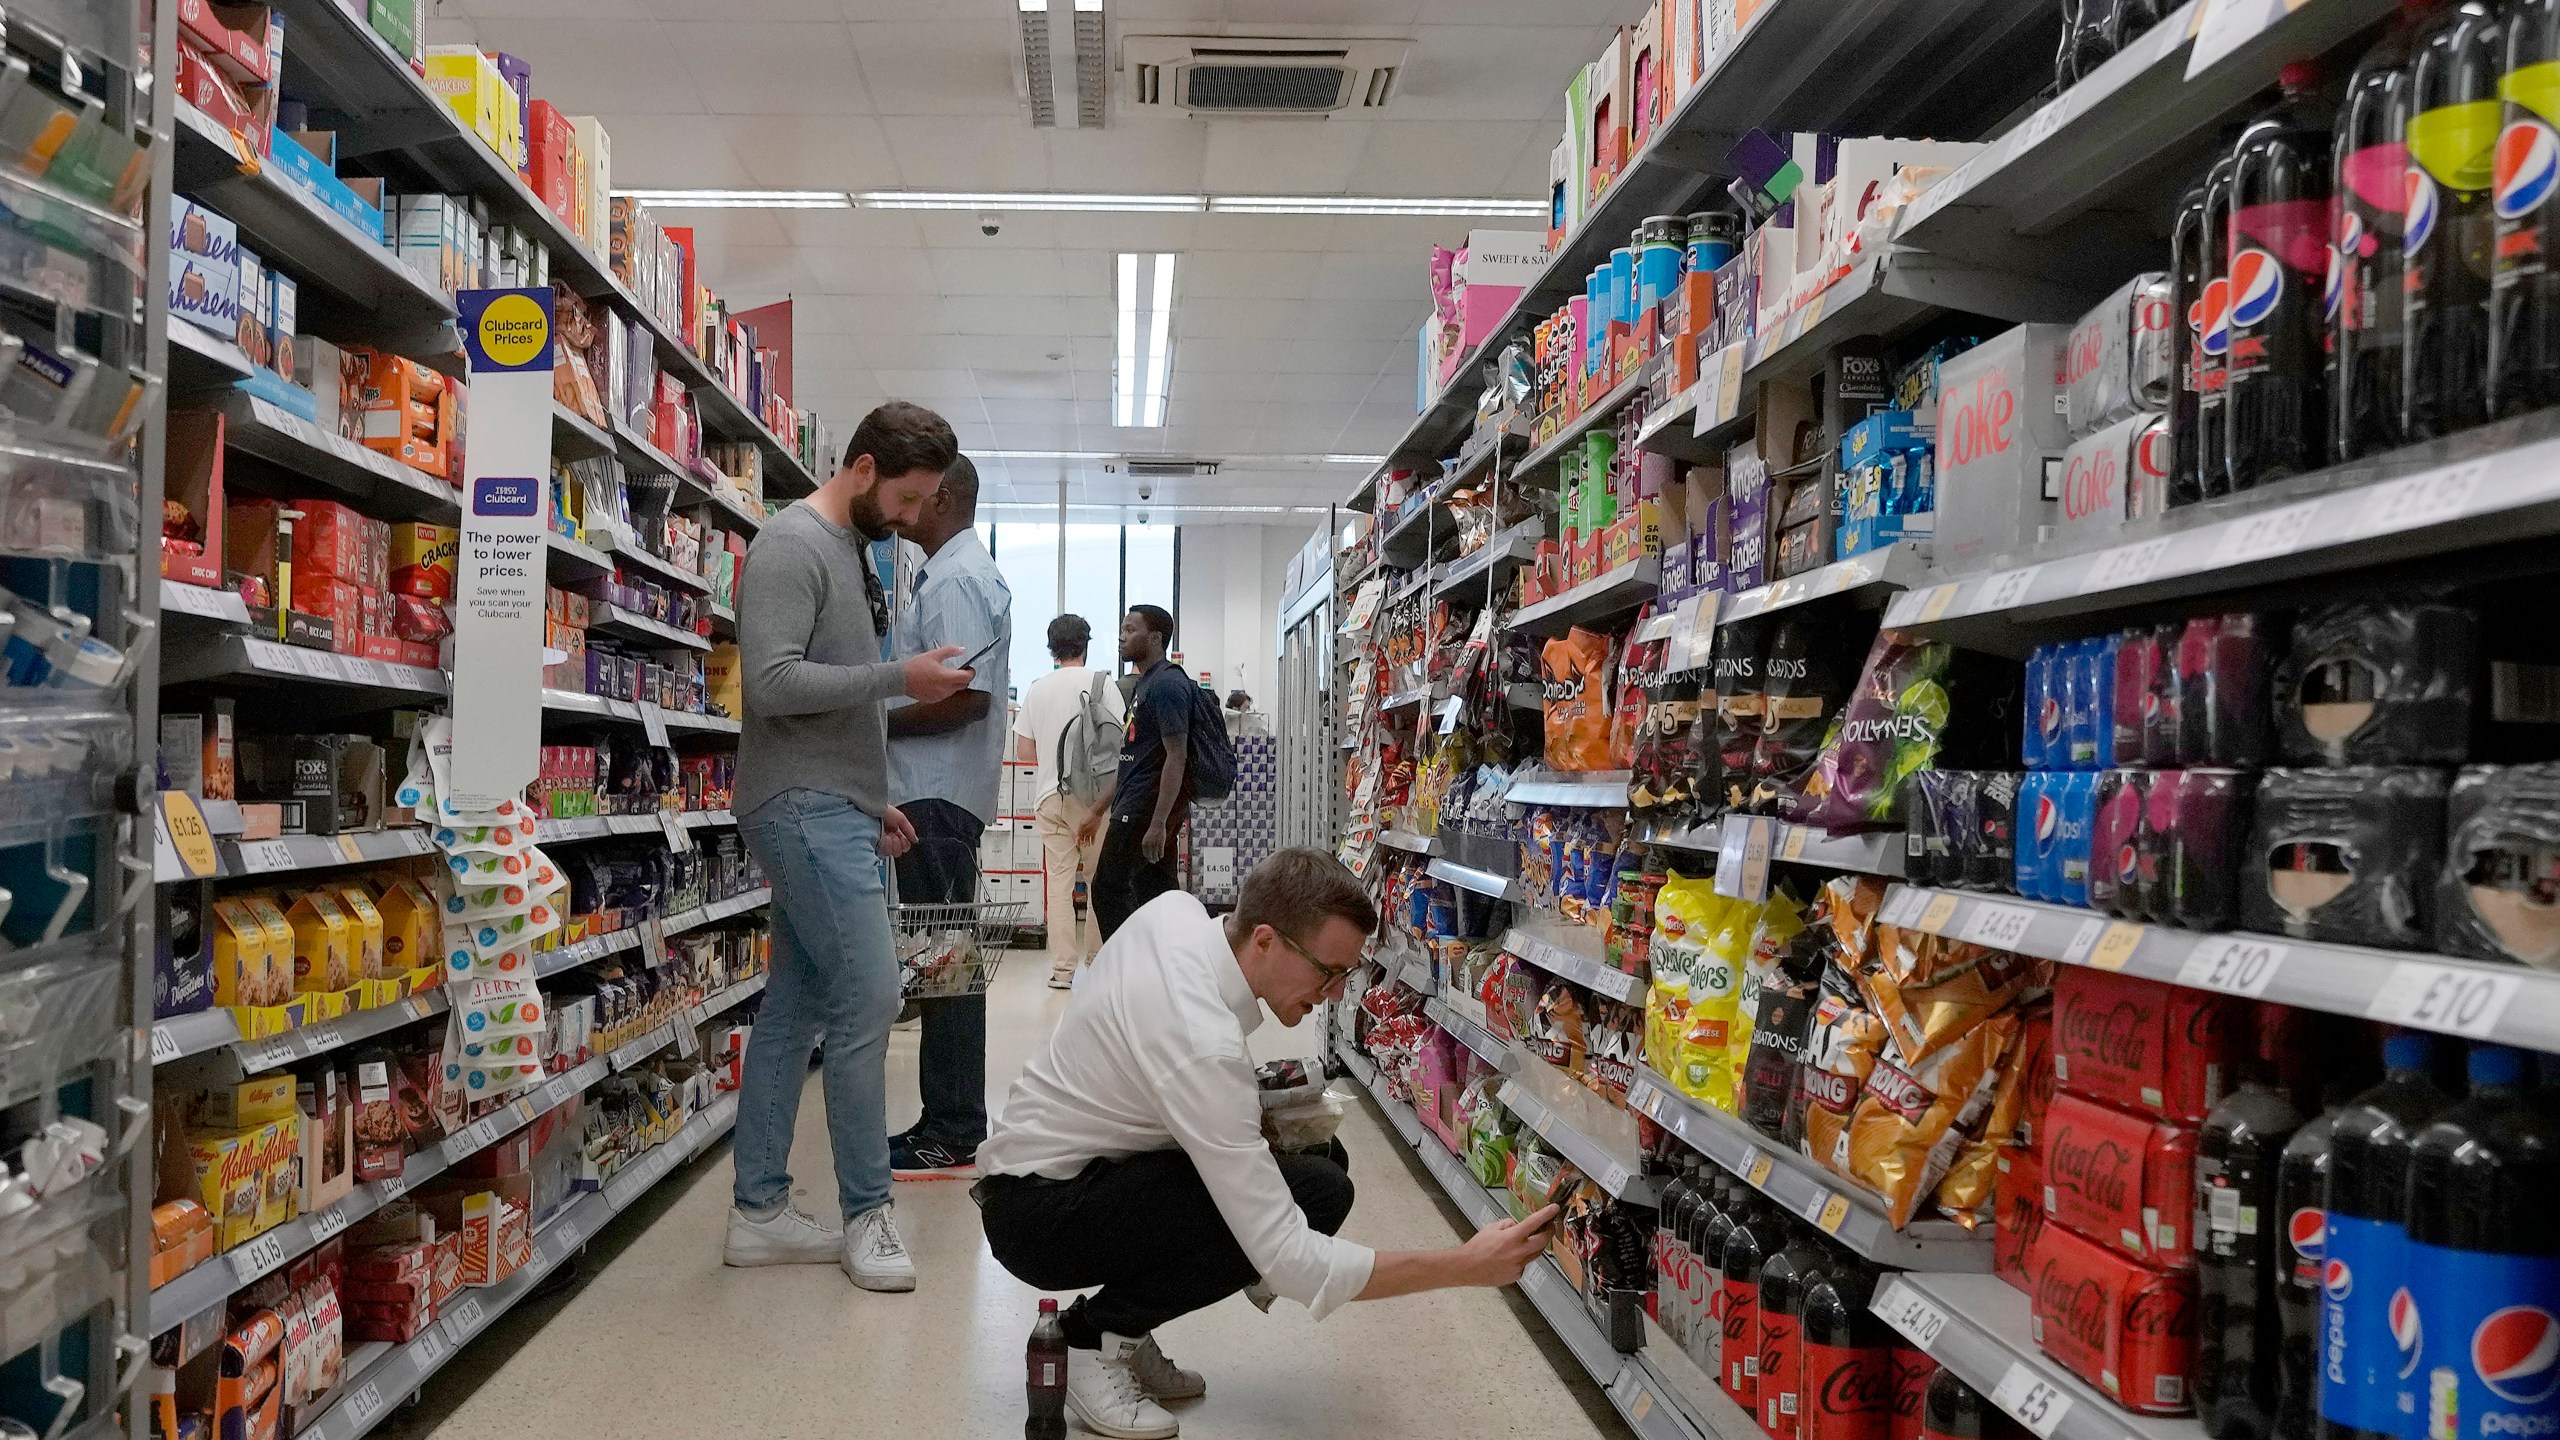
(695, 1349)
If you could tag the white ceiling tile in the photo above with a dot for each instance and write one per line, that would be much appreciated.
(851, 227)
(1005, 315)
(464, 12)
(656, 149)
(1027, 274)
(755, 274)
(928, 386)
(788, 152)
(998, 433)
(962, 230)
(1283, 157)
(1004, 387)
(1135, 158)
(1490, 72)
(717, 228)
(744, 12)
(1266, 232)
(590, 69)
(1405, 277)
(1442, 157)
(1093, 273)
(1007, 352)
(870, 320)
(966, 152)
(1276, 275)
(1354, 319)
(773, 68)
(1229, 318)
(871, 270)
(1529, 12)
(1114, 233)
(943, 67)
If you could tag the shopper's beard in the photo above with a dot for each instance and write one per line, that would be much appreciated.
(867, 516)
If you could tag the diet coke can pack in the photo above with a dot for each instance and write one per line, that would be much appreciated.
(2116, 350)
(2001, 434)
(2125, 1181)
(2122, 1326)
(2162, 1050)
(2117, 473)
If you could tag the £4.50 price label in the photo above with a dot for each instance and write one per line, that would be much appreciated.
(2455, 999)
(2232, 964)
(2036, 1402)
(1912, 1313)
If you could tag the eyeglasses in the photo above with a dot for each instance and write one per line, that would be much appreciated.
(1333, 976)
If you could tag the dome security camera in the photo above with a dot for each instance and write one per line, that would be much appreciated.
(989, 225)
(1146, 490)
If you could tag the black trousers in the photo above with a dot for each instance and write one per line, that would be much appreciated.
(1146, 1231)
(1122, 878)
(951, 1060)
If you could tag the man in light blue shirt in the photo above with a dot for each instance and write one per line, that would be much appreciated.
(946, 766)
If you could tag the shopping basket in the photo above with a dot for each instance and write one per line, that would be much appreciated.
(951, 949)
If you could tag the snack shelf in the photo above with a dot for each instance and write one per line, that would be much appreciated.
(236, 858)
(1978, 1327)
(1500, 555)
(1870, 578)
(1573, 952)
(1525, 695)
(1417, 977)
(1489, 1047)
(1841, 1209)
(1615, 593)
(216, 1280)
(551, 962)
(1615, 1167)
(1408, 842)
(599, 707)
(1419, 695)
(1668, 427)
(1597, 789)
(2496, 484)
(1646, 376)
(690, 490)
(1408, 543)
(1482, 882)
(613, 619)
(1361, 1067)
(582, 558)
(2509, 1004)
(384, 488)
(247, 657)
(350, 285)
(575, 437)
(201, 361)
(659, 566)
(223, 607)
(393, 1372)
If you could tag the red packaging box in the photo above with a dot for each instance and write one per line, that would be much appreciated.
(547, 143)
(202, 85)
(329, 540)
(339, 602)
(2126, 1328)
(391, 1262)
(390, 1324)
(233, 37)
(2125, 1181)
(2165, 1050)
(2017, 1213)
(2035, 1052)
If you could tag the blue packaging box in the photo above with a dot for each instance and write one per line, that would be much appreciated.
(305, 172)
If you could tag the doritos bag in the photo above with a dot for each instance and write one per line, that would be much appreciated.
(1577, 711)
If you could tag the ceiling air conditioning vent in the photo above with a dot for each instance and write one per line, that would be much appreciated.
(1259, 77)
(1163, 467)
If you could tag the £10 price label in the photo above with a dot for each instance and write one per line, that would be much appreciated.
(2454, 999)
(2232, 964)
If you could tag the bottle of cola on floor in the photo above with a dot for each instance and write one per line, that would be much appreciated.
(2238, 1159)
(2448, 229)
(2272, 401)
(1046, 1360)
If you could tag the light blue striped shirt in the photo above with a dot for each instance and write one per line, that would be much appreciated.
(958, 597)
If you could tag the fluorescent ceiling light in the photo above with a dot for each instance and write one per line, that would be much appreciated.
(1368, 205)
(1355, 460)
(1034, 6)
(1029, 200)
(1143, 340)
(1090, 6)
(1159, 348)
(742, 199)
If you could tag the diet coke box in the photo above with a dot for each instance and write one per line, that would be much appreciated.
(2120, 473)
(2126, 1328)
(2100, 364)
(2140, 1045)
(2018, 1213)
(2001, 434)
(2125, 1181)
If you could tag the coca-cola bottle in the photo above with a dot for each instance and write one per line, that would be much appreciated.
(1045, 1360)
(2272, 401)
(2238, 1157)
(2371, 181)
(1953, 1410)
(1744, 1249)
(1783, 1278)
(1708, 1231)
(2448, 229)
(1847, 1392)
(1671, 1271)
(1912, 1369)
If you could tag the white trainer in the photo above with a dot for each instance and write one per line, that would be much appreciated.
(788, 1236)
(1160, 1377)
(875, 1255)
(1105, 1394)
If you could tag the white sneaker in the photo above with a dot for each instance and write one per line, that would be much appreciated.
(875, 1256)
(788, 1236)
(1105, 1394)
(1260, 1296)
(1062, 977)
(1160, 1377)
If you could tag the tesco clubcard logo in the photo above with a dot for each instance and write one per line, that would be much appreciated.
(515, 498)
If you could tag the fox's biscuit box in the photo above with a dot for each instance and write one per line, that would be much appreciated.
(204, 268)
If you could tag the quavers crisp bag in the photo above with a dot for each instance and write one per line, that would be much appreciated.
(1715, 995)
(1576, 671)
(1911, 1121)
(1685, 914)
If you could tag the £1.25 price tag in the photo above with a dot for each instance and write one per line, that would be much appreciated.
(2034, 1401)
(2453, 999)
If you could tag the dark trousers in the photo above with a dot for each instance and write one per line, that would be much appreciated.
(1122, 878)
(951, 1063)
(1146, 1231)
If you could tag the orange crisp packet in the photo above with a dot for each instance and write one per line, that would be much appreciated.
(1911, 1121)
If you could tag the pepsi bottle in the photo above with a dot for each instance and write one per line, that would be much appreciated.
(2447, 227)
(2186, 307)
(2213, 437)
(2524, 290)
(2369, 1329)
(2238, 1160)
(2302, 1182)
(2272, 400)
(2484, 1258)
(2371, 184)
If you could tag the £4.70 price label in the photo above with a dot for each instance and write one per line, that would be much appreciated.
(2455, 999)
(1912, 1313)
(2036, 1402)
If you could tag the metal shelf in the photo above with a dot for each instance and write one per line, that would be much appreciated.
(1646, 376)
(289, 853)
(382, 487)
(1501, 555)
(598, 827)
(1562, 1113)
(1419, 695)
(580, 558)
(575, 437)
(1869, 579)
(614, 620)
(1597, 789)
(201, 361)
(1482, 882)
(246, 657)
(203, 602)
(580, 705)
(1840, 1207)
(1573, 952)
(1605, 597)
(1978, 1327)
(2510, 1004)
(660, 567)
(1488, 1047)
(1408, 842)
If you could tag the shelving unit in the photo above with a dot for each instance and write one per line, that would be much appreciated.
(1573, 952)
(1977, 1326)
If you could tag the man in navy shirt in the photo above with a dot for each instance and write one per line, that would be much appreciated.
(1150, 795)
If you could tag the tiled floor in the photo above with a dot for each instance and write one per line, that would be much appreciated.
(655, 1338)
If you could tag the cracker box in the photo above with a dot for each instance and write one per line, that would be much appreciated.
(422, 557)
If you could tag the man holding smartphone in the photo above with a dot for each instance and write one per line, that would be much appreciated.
(946, 765)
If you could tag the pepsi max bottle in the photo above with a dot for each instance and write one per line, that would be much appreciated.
(2186, 309)
(2238, 1158)
(2447, 227)
(2369, 1328)
(2213, 334)
(2485, 1258)
(2371, 184)
(2272, 401)
(2524, 291)
(2302, 1185)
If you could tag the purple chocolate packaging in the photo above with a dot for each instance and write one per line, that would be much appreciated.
(1746, 480)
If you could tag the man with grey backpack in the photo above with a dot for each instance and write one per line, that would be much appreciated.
(1069, 725)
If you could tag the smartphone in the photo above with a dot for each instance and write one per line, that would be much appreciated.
(983, 651)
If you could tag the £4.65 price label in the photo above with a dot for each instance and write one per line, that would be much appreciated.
(2232, 964)
(2454, 999)
(2036, 1402)
(1999, 926)
(1912, 1313)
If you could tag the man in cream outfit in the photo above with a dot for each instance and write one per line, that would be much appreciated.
(1070, 831)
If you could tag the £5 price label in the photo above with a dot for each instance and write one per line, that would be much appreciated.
(2034, 1401)
(2008, 589)
(2454, 999)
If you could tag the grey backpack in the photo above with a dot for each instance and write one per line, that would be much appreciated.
(1089, 747)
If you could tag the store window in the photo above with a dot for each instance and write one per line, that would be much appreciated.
(1108, 569)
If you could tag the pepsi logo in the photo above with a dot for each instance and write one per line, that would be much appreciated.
(2128, 866)
(2215, 322)
(2526, 167)
(2516, 1353)
(2417, 209)
(2048, 819)
(2308, 1230)
(2406, 1332)
(2352, 239)
(2049, 717)
(2337, 1281)
(2257, 286)
(2333, 289)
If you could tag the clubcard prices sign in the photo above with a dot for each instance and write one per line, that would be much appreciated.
(498, 578)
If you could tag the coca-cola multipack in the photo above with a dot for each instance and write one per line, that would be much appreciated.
(2140, 1045)
(2121, 1179)
(2122, 1326)
(2001, 433)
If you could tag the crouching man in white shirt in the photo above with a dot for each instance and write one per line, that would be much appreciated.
(1130, 1153)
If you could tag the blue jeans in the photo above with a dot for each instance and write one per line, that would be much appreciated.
(835, 971)
(951, 1060)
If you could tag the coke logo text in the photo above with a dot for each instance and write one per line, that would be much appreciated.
(1983, 422)
(2100, 1173)
(2117, 1036)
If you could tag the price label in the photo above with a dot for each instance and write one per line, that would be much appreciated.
(1728, 384)
(1910, 1312)
(2232, 964)
(2008, 589)
(2037, 1403)
(2263, 537)
(258, 857)
(188, 834)
(363, 1405)
(1934, 915)
(1642, 1407)
(429, 1348)
(265, 1054)
(687, 1043)
(2002, 927)
(2422, 499)
(466, 1317)
(1793, 847)
(2223, 26)
(1648, 1102)
(1835, 1208)
(653, 722)
(1940, 599)
(1452, 710)
(1614, 1179)
(392, 1187)
(2455, 999)
(347, 849)
(2115, 946)
(671, 824)
(370, 672)
(164, 1045)
(1757, 834)
(1756, 1166)
(569, 1235)
(316, 1038)
(327, 1223)
(257, 1257)
(2124, 566)
(653, 942)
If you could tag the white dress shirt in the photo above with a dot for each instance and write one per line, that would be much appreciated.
(1150, 1055)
